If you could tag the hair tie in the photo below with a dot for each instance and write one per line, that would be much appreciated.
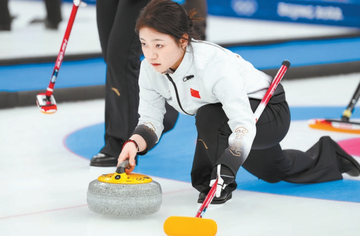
(190, 22)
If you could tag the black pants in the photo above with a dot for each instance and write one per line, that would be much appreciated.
(5, 19)
(266, 160)
(53, 10)
(121, 50)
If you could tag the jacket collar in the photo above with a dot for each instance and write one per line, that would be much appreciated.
(184, 66)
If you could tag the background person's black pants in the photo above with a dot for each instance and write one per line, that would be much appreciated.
(5, 18)
(266, 160)
(121, 50)
(53, 11)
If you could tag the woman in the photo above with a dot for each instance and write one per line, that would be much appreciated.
(121, 50)
(222, 90)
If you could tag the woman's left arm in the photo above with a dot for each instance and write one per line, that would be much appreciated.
(230, 90)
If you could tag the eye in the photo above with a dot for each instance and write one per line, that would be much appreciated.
(143, 44)
(159, 45)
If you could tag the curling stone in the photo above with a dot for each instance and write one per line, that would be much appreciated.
(124, 195)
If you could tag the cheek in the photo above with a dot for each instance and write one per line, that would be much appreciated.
(164, 56)
(173, 56)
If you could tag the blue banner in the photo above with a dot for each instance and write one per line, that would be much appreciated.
(330, 12)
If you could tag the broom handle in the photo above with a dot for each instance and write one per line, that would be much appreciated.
(207, 200)
(61, 54)
(278, 77)
(350, 108)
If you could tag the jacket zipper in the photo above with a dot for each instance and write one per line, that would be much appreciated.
(177, 94)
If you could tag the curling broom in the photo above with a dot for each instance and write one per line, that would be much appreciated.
(197, 226)
(46, 101)
(344, 124)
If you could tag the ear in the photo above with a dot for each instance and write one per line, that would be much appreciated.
(184, 40)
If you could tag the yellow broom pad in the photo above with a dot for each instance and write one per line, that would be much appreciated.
(189, 226)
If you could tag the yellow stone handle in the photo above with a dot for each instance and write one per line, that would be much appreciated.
(120, 177)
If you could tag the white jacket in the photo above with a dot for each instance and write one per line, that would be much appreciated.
(207, 74)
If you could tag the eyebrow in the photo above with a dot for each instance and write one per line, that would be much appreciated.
(152, 39)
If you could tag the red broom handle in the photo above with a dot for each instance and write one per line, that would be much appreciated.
(278, 77)
(64, 43)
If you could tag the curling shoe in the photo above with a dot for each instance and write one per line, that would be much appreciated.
(103, 160)
(347, 164)
(51, 25)
(5, 27)
(216, 200)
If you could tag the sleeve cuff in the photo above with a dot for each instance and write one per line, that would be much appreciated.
(148, 134)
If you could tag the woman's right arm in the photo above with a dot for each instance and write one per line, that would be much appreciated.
(131, 147)
(150, 125)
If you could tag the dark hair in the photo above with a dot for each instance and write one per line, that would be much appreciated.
(167, 17)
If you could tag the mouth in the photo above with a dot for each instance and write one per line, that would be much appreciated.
(155, 64)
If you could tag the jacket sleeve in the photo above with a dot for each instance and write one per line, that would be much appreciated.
(151, 110)
(229, 88)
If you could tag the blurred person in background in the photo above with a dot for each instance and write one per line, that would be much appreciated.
(5, 18)
(52, 20)
(53, 15)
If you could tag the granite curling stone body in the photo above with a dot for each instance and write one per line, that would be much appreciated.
(124, 195)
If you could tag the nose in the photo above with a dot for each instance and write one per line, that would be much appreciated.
(151, 54)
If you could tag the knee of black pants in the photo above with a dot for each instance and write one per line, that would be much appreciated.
(213, 132)
(270, 165)
(272, 125)
(210, 118)
(170, 117)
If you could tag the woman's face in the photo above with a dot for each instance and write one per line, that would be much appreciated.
(161, 50)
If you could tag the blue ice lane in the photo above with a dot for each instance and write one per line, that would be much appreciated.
(301, 53)
(37, 76)
(92, 71)
(172, 158)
